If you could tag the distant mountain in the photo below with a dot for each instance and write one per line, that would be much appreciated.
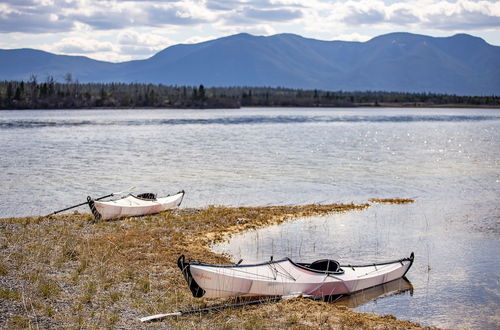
(404, 62)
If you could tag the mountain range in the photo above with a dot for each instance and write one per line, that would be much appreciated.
(461, 64)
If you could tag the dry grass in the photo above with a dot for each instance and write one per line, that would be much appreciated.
(68, 272)
(392, 200)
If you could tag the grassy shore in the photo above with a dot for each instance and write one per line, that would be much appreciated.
(68, 272)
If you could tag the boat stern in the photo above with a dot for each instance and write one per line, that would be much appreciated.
(182, 192)
(93, 209)
(410, 259)
(184, 266)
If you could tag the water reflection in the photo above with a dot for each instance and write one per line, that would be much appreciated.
(396, 287)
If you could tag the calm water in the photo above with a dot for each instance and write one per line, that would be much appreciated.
(447, 159)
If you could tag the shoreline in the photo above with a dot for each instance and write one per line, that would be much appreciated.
(356, 106)
(66, 271)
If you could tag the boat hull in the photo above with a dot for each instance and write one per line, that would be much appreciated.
(133, 206)
(284, 277)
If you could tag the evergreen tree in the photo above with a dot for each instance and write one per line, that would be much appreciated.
(201, 92)
(9, 93)
(18, 95)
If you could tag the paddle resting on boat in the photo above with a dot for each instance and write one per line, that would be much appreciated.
(285, 277)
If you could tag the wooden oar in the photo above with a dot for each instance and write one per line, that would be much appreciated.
(84, 203)
(159, 317)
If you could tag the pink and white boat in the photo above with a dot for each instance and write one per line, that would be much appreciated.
(131, 205)
(285, 277)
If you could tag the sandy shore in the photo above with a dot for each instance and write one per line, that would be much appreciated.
(68, 272)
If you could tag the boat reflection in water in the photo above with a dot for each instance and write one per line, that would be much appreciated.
(396, 287)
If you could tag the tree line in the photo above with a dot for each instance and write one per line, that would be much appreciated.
(50, 94)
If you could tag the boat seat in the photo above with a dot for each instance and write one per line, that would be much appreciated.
(147, 196)
(326, 265)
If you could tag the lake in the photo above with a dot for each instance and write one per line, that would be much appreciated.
(448, 160)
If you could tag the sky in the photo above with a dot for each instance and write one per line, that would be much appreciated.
(116, 31)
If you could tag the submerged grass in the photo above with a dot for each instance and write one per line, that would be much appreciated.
(68, 272)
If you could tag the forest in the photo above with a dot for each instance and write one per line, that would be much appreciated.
(70, 94)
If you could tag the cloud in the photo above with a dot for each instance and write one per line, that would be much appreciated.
(463, 15)
(239, 4)
(76, 45)
(462, 21)
(21, 3)
(103, 21)
(365, 16)
(176, 15)
(37, 16)
(124, 46)
(128, 28)
(33, 23)
(271, 15)
(96, 49)
(131, 37)
(446, 15)
(25, 18)
(246, 14)
(403, 16)
(134, 43)
(41, 16)
(219, 5)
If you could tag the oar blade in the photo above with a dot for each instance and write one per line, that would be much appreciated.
(159, 317)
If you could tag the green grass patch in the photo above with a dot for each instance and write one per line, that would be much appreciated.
(8, 294)
(3, 270)
(19, 322)
(143, 284)
(48, 288)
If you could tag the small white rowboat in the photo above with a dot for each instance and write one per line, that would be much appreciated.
(133, 205)
(285, 277)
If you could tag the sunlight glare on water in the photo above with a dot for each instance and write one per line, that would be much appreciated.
(448, 160)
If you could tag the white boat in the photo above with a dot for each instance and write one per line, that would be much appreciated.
(131, 205)
(285, 277)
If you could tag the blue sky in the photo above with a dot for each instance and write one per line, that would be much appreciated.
(116, 31)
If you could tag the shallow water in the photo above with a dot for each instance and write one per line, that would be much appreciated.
(446, 159)
(454, 274)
